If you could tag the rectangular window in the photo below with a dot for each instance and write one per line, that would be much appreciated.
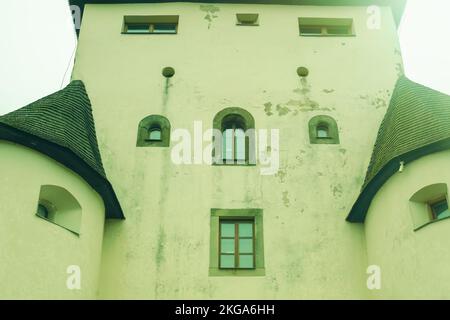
(237, 244)
(150, 25)
(326, 26)
(247, 19)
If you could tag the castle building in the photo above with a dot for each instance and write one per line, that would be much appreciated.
(148, 176)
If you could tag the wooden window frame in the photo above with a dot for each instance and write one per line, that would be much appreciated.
(236, 239)
(218, 215)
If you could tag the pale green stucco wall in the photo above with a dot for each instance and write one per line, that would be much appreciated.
(35, 253)
(414, 264)
(162, 249)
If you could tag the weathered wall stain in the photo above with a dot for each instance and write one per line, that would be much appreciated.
(399, 65)
(167, 86)
(286, 201)
(303, 103)
(282, 175)
(211, 11)
(159, 257)
(268, 108)
(378, 100)
(282, 110)
(337, 190)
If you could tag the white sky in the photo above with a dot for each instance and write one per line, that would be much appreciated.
(38, 43)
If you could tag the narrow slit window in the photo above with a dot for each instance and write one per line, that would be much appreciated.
(237, 244)
(150, 25)
(247, 19)
(326, 26)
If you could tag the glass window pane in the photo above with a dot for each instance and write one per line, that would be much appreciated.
(227, 229)
(310, 30)
(42, 211)
(227, 261)
(245, 245)
(138, 28)
(246, 229)
(444, 214)
(165, 28)
(440, 209)
(240, 144)
(322, 132)
(155, 134)
(227, 245)
(338, 30)
(245, 261)
(228, 144)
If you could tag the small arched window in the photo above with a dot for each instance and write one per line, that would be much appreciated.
(153, 131)
(59, 206)
(237, 145)
(323, 130)
(429, 204)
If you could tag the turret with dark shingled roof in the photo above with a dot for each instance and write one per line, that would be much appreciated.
(416, 123)
(61, 126)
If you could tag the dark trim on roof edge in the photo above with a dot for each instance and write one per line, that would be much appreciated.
(359, 210)
(70, 160)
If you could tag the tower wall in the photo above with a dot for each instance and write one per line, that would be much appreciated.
(35, 254)
(412, 263)
(162, 250)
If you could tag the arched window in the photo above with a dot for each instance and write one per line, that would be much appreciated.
(153, 131)
(323, 130)
(429, 204)
(237, 145)
(59, 206)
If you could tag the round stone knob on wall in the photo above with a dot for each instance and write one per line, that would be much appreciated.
(168, 72)
(302, 71)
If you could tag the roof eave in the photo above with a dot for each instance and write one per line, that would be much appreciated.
(70, 160)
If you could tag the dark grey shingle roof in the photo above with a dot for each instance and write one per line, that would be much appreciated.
(61, 126)
(416, 123)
